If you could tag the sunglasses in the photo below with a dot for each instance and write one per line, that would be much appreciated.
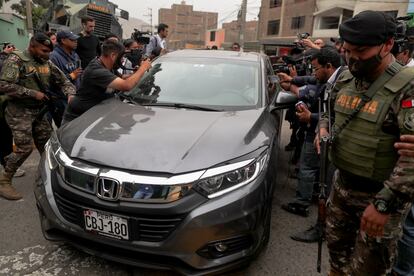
(10, 46)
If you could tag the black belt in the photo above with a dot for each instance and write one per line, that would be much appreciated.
(359, 183)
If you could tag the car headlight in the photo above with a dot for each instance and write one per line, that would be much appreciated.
(51, 148)
(218, 181)
(73, 172)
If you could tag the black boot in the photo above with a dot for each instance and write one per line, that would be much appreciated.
(296, 208)
(311, 235)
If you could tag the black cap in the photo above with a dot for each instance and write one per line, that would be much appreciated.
(368, 28)
(43, 39)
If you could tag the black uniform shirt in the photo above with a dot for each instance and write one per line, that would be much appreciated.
(93, 88)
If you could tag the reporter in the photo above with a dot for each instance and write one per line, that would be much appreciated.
(99, 82)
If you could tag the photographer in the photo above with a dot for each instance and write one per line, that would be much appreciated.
(157, 44)
(131, 58)
(325, 63)
(317, 44)
(99, 82)
(404, 47)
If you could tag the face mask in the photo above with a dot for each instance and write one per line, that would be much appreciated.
(134, 56)
(362, 68)
(40, 60)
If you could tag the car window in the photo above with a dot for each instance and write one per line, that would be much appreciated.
(220, 83)
(271, 88)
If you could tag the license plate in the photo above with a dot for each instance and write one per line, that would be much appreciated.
(106, 224)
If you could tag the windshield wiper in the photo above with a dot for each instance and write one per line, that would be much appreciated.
(182, 105)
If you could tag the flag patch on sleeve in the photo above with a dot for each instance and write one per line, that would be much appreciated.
(407, 103)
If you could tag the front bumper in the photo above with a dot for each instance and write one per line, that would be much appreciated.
(236, 218)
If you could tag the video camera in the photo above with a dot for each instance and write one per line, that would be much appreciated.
(303, 36)
(301, 63)
(402, 37)
(141, 37)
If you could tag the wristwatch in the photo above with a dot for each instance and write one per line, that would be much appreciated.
(382, 206)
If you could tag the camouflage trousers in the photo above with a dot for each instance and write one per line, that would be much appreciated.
(352, 252)
(26, 129)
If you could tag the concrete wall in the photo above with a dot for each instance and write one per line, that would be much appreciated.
(219, 39)
(186, 25)
(326, 4)
(233, 31)
(389, 5)
(13, 29)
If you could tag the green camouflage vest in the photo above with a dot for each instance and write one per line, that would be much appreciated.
(362, 148)
(25, 79)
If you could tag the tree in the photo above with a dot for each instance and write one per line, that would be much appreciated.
(39, 8)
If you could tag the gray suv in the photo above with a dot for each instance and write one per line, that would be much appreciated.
(177, 173)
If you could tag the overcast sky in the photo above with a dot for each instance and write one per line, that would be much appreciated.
(227, 9)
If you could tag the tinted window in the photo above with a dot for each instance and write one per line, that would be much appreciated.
(230, 85)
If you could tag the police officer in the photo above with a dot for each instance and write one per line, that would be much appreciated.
(21, 78)
(373, 185)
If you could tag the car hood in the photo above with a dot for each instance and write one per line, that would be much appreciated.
(164, 139)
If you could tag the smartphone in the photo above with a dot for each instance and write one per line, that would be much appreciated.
(78, 64)
(300, 105)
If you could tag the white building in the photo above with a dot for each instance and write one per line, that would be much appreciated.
(329, 14)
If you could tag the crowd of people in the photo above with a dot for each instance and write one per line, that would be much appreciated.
(360, 96)
(57, 78)
(359, 93)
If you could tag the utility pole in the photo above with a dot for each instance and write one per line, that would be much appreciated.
(150, 16)
(29, 17)
(243, 22)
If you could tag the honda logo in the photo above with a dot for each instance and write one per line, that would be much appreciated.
(108, 188)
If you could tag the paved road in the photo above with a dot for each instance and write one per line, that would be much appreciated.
(24, 251)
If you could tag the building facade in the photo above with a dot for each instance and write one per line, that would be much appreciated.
(330, 14)
(187, 28)
(215, 38)
(13, 30)
(281, 20)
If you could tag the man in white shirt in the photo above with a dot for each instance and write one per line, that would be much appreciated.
(403, 51)
(157, 45)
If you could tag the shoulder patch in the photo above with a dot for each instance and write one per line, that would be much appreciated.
(409, 121)
(13, 58)
(400, 80)
(345, 76)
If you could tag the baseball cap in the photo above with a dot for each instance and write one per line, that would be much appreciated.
(66, 34)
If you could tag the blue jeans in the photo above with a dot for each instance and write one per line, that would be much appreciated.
(404, 264)
(308, 172)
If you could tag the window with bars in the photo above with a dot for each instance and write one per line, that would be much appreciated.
(329, 23)
(298, 22)
(273, 27)
(275, 3)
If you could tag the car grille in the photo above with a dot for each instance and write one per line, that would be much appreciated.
(142, 228)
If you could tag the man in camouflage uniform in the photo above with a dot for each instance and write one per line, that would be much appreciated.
(373, 185)
(26, 101)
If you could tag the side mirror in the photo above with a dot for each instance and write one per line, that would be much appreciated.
(284, 100)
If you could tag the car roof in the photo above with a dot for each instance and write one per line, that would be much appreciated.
(231, 55)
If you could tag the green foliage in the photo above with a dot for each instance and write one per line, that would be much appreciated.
(39, 8)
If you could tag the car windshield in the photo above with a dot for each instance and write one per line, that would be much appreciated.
(221, 84)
